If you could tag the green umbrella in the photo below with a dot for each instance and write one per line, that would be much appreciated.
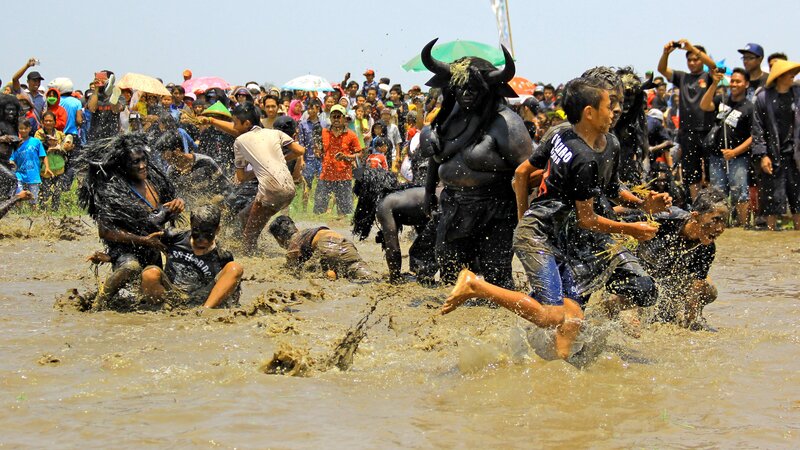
(451, 51)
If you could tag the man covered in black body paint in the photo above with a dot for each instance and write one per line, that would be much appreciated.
(475, 144)
(383, 199)
(131, 199)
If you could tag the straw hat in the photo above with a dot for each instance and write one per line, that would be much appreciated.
(781, 67)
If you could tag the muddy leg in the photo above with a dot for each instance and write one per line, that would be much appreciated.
(118, 278)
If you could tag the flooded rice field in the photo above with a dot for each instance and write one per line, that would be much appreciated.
(414, 379)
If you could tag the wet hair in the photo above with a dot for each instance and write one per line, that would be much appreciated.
(206, 217)
(708, 200)
(24, 121)
(580, 93)
(285, 124)
(170, 141)
(282, 228)
(247, 111)
(168, 121)
(606, 77)
(371, 186)
(49, 113)
(741, 72)
(777, 55)
(105, 192)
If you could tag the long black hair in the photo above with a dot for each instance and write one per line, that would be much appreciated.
(106, 192)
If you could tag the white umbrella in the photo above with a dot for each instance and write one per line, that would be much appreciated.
(308, 83)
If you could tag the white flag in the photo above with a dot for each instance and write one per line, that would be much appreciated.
(500, 8)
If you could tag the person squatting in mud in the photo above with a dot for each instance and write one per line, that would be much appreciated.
(680, 256)
(475, 143)
(131, 199)
(338, 256)
(197, 272)
(383, 199)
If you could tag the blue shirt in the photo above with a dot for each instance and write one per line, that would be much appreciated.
(27, 158)
(188, 142)
(306, 137)
(72, 105)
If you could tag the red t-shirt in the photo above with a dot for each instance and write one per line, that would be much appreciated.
(377, 160)
(332, 168)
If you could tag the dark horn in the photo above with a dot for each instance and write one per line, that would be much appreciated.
(506, 73)
(437, 67)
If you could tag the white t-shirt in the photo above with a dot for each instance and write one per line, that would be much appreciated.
(263, 150)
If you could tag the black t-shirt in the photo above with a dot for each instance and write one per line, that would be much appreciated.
(670, 254)
(738, 118)
(784, 116)
(659, 103)
(188, 271)
(572, 172)
(105, 122)
(203, 181)
(692, 87)
(755, 84)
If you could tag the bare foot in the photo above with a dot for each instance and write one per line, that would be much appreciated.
(461, 292)
(568, 330)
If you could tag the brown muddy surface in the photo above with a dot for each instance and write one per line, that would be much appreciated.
(221, 379)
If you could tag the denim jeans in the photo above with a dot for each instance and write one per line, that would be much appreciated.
(731, 179)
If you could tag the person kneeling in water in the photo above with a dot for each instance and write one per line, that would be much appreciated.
(566, 318)
(338, 255)
(197, 272)
(680, 256)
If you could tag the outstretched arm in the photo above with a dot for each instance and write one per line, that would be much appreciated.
(15, 86)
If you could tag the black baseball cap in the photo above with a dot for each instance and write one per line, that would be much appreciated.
(35, 76)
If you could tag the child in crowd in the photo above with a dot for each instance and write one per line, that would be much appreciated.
(338, 255)
(377, 160)
(57, 146)
(28, 158)
(197, 272)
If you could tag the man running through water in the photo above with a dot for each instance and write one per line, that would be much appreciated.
(571, 187)
(583, 255)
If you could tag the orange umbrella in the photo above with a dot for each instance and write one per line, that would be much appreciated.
(142, 83)
(522, 86)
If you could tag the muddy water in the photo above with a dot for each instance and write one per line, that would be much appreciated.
(417, 380)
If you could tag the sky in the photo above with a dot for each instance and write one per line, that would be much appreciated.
(271, 41)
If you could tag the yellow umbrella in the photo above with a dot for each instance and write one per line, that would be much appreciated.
(142, 83)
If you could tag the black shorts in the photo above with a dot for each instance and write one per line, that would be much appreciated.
(694, 157)
(781, 188)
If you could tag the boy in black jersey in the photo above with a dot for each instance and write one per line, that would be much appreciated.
(197, 272)
(553, 244)
(571, 184)
(338, 255)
